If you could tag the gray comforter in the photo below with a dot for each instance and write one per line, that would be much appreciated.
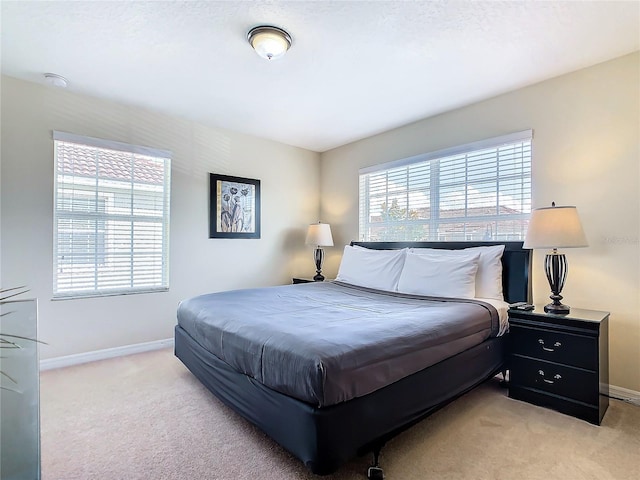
(326, 343)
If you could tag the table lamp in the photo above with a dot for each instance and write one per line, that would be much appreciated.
(555, 227)
(319, 234)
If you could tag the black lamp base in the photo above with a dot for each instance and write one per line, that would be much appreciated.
(556, 267)
(318, 257)
(557, 309)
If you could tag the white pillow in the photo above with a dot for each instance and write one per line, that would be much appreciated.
(379, 269)
(489, 276)
(443, 276)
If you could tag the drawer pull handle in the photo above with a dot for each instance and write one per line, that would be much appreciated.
(557, 376)
(547, 349)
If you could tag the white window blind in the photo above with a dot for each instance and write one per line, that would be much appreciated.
(111, 217)
(478, 191)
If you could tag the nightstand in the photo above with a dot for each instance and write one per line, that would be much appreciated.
(561, 361)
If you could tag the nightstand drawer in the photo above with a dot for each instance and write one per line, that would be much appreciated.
(590, 413)
(553, 346)
(558, 379)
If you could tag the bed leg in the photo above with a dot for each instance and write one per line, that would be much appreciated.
(375, 472)
(504, 383)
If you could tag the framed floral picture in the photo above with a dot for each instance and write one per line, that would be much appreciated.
(234, 207)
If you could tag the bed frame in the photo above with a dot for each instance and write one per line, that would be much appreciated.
(325, 438)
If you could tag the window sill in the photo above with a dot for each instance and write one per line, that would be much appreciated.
(109, 294)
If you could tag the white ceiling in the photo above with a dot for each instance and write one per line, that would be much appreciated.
(356, 68)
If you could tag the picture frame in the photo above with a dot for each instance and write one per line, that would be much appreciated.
(234, 207)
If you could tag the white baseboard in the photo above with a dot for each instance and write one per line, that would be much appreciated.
(625, 394)
(68, 360)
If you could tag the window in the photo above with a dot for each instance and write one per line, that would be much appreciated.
(111, 217)
(479, 191)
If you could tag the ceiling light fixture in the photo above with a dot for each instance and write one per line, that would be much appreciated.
(56, 80)
(269, 42)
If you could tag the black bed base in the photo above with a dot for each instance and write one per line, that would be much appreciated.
(325, 438)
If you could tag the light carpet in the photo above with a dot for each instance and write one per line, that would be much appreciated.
(146, 417)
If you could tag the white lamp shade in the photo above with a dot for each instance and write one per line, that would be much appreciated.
(319, 234)
(555, 227)
(269, 42)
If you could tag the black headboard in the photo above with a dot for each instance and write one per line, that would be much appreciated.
(516, 263)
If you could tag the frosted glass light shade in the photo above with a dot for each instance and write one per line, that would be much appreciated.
(555, 227)
(269, 42)
(319, 234)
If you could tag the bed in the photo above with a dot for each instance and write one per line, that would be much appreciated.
(350, 406)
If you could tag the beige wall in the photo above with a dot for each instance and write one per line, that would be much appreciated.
(585, 153)
(290, 201)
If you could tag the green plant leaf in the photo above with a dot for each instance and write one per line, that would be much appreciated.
(4, 291)
(8, 376)
(20, 337)
(10, 389)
